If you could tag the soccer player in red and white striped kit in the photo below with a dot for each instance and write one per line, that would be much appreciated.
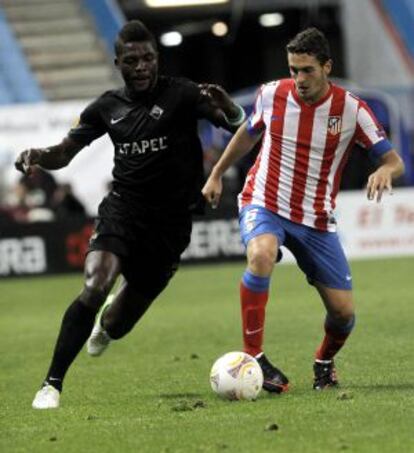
(307, 127)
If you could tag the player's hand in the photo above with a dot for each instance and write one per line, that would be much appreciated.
(27, 159)
(212, 190)
(217, 96)
(379, 181)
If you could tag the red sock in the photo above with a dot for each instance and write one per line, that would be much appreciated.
(331, 344)
(253, 306)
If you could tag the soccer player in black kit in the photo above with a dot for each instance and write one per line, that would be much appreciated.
(144, 223)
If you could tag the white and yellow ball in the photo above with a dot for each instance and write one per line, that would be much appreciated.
(236, 376)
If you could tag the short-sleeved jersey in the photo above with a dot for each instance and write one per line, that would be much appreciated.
(304, 149)
(158, 155)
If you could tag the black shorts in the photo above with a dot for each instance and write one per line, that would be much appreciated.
(149, 242)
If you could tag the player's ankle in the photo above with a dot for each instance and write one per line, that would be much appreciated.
(57, 383)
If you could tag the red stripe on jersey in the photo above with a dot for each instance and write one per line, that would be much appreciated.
(277, 122)
(331, 144)
(304, 137)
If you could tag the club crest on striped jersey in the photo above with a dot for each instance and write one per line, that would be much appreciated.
(334, 125)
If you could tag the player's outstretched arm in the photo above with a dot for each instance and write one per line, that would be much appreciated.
(240, 144)
(392, 166)
(51, 158)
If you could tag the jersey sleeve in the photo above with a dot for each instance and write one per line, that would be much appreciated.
(255, 124)
(90, 125)
(369, 133)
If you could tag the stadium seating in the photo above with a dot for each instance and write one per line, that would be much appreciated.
(62, 47)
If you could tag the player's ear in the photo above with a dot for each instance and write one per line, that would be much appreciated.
(327, 67)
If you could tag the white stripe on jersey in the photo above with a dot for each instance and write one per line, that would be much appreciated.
(258, 108)
(368, 126)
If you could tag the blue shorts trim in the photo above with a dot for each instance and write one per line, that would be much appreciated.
(319, 254)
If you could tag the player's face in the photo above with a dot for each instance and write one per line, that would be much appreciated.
(138, 63)
(310, 76)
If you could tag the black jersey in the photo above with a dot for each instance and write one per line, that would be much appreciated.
(158, 159)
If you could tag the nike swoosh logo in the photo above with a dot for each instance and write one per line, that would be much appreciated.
(251, 332)
(117, 120)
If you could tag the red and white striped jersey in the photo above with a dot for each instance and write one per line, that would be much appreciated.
(304, 149)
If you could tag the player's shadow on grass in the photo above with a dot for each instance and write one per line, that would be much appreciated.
(180, 395)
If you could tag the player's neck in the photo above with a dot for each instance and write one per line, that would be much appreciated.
(140, 95)
(318, 96)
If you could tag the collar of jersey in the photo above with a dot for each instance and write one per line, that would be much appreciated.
(315, 104)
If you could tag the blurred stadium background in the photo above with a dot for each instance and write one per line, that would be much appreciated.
(57, 55)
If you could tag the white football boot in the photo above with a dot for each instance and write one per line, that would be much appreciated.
(99, 340)
(46, 398)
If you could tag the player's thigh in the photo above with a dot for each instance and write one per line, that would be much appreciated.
(148, 279)
(320, 256)
(154, 259)
(255, 221)
(262, 235)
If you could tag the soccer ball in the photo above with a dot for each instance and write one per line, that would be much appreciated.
(236, 376)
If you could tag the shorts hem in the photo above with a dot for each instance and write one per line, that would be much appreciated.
(327, 285)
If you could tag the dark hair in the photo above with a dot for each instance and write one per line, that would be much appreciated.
(133, 31)
(312, 42)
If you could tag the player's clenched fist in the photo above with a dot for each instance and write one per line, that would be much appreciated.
(27, 159)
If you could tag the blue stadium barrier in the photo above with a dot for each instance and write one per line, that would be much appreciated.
(5, 94)
(108, 19)
(17, 83)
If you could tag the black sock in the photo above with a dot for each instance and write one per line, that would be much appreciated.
(76, 327)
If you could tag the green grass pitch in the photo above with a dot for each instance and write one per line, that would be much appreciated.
(150, 392)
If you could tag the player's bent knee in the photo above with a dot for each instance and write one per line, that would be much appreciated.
(93, 296)
(261, 261)
(343, 316)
